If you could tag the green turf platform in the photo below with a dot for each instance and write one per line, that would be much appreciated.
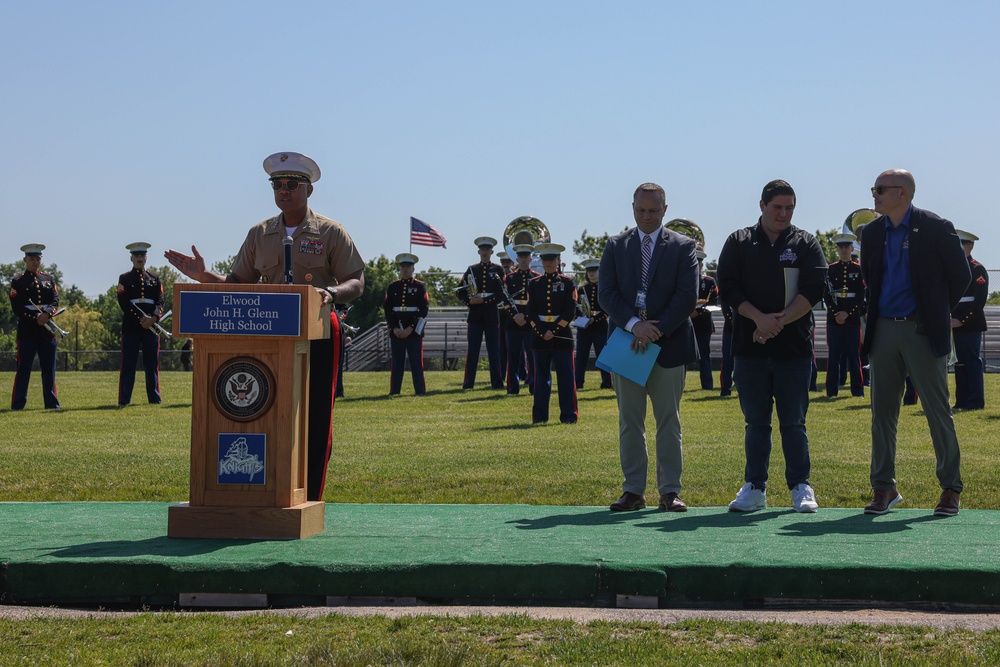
(94, 552)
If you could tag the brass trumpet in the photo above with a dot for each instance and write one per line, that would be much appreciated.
(50, 324)
(157, 329)
(585, 308)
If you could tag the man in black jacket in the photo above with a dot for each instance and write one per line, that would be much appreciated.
(772, 274)
(916, 273)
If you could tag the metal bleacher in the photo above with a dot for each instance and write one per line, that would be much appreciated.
(445, 344)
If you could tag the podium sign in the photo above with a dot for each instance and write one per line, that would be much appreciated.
(249, 410)
(223, 313)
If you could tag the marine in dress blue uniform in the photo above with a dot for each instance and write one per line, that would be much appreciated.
(34, 298)
(701, 319)
(405, 309)
(595, 333)
(507, 264)
(968, 322)
(140, 296)
(845, 303)
(484, 318)
(518, 332)
(552, 302)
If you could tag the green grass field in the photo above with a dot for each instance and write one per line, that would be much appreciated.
(454, 446)
(478, 446)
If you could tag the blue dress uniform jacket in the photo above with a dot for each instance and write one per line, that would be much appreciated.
(487, 276)
(552, 301)
(520, 361)
(969, 310)
(41, 289)
(517, 286)
(845, 292)
(143, 289)
(33, 338)
(708, 294)
(406, 302)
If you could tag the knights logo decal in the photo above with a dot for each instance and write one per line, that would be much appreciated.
(244, 389)
(242, 458)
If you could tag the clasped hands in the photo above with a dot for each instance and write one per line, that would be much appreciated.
(645, 332)
(769, 325)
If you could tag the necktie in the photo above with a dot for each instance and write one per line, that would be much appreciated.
(647, 254)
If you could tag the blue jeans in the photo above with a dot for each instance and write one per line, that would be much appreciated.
(765, 384)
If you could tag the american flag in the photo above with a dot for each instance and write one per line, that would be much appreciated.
(423, 234)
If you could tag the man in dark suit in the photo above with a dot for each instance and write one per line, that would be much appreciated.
(916, 273)
(648, 285)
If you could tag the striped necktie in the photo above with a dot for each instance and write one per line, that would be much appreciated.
(647, 254)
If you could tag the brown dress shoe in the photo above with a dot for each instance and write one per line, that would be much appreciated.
(671, 503)
(948, 505)
(628, 502)
(883, 501)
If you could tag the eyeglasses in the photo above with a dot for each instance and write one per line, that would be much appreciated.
(879, 189)
(291, 185)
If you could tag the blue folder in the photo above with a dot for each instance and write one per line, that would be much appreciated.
(618, 357)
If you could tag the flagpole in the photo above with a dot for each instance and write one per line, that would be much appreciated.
(410, 234)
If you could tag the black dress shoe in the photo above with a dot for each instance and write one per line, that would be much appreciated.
(628, 502)
(671, 503)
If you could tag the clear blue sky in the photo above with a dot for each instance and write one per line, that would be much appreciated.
(126, 121)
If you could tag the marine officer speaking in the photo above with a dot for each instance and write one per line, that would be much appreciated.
(323, 256)
(140, 296)
(34, 298)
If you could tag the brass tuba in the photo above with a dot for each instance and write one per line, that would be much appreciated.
(525, 229)
(688, 228)
(856, 220)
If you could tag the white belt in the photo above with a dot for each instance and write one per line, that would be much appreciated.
(967, 299)
(849, 295)
(548, 318)
(521, 302)
(32, 306)
(405, 309)
(142, 301)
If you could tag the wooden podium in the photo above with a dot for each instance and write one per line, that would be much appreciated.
(249, 409)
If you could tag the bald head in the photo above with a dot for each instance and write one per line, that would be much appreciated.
(902, 177)
(893, 193)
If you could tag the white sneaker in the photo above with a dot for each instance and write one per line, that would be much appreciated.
(749, 499)
(803, 499)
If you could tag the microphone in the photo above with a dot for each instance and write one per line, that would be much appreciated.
(288, 260)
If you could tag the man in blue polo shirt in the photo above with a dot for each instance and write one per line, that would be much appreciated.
(916, 273)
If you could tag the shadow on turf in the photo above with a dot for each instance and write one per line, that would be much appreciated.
(154, 546)
(854, 524)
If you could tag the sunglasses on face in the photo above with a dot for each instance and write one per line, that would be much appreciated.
(291, 185)
(879, 189)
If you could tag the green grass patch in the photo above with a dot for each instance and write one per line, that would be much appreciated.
(478, 446)
(217, 641)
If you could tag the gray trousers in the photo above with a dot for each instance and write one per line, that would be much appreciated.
(664, 389)
(897, 351)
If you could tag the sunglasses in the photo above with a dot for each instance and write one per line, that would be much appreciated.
(879, 189)
(291, 185)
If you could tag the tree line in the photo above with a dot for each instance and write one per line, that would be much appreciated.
(95, 324)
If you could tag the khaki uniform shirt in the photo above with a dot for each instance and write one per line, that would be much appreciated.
(323, 253)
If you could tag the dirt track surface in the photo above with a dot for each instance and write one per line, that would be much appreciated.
(943, 620)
